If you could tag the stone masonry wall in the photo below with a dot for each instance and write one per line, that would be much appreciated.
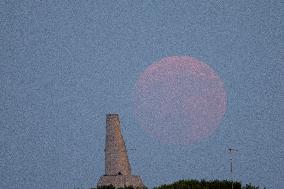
(117, 166)
(121, 181)
(116, 159)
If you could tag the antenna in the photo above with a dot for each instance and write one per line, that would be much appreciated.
(231, 153)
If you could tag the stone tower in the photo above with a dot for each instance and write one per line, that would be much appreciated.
(117, 166)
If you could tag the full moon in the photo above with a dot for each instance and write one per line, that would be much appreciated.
(179, 100)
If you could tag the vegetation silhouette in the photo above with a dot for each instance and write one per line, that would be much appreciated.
(195, 184)
(203, 184)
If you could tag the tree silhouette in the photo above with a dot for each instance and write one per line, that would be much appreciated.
(194, 184)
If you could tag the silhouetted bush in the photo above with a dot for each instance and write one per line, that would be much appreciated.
(195, 184)
(106, 187)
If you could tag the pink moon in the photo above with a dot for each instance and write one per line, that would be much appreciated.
(179, 100)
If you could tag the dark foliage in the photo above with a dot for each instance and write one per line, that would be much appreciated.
(195, 184)
(215, 184)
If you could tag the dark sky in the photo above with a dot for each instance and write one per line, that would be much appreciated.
(65, 64)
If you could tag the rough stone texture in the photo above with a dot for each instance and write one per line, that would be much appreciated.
(116, 160)
(121, 181)
(117, 166)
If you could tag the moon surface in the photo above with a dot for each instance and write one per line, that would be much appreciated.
(179, 100)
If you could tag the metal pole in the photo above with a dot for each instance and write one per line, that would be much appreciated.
(232, 172)
(231, 150)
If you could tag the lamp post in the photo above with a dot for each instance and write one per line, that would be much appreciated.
(231, 152)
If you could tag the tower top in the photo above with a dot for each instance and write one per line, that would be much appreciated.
(111, 115)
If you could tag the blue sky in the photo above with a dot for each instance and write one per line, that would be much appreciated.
(65, 64)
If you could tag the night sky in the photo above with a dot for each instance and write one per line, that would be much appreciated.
(65, 64)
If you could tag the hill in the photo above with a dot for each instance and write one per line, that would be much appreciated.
(196, 184)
